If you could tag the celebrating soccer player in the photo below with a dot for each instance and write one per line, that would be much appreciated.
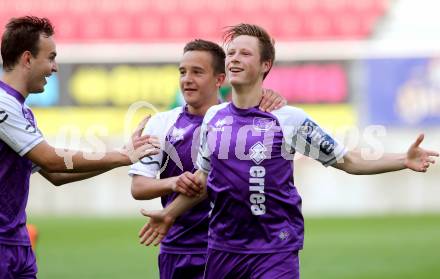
(256, 225)
(28, 53)
(202, 72)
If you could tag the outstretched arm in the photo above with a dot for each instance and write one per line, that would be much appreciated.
(161, 221)
(59, 178)
(416, 159)
(48, 158)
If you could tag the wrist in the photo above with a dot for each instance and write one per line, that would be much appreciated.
(121, 158)
(172, 183)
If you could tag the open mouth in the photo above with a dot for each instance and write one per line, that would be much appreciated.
(189, 89)
(236, 69)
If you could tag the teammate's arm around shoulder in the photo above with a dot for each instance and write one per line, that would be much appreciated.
(416, 159)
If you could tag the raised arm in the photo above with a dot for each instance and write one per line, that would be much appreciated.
(161, 221)
(416, 159)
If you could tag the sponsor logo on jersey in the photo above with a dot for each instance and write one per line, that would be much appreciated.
(257, 197)
(316, 137)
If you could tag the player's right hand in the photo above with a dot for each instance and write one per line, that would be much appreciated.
(187, 184)
(141, 146)
(156, 228)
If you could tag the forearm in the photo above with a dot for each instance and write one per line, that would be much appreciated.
(82, 162)
(63, 178)
(145, 188)
(183, 203)
(354, 163)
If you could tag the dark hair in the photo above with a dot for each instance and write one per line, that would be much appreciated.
(217, 53)
(267, 49)
(23, 34)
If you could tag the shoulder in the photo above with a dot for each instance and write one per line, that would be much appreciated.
(290, 115)
(166, 117)
(8, 102)
(212, 111)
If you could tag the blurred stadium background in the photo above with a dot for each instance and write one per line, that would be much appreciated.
(353, 65)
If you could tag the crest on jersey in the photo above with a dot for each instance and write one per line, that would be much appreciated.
(263, 124)
(258, 152)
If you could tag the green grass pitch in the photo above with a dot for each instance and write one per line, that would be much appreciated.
(403, 247)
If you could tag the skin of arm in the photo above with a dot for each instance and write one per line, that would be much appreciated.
(161, 221)
(51, 160)
(59, 179)
(146, 188)
(416, 159)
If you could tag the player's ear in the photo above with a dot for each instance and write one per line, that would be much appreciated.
(25, 59)
(220, 79)
(267, 65)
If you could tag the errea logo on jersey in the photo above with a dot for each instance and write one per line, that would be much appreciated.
(177, 134)
(258, 152)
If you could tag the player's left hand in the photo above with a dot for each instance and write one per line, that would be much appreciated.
(271, 100)
(419, 159)
(156, 228)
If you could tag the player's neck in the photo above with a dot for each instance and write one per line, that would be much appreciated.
(247, 96)
(201, 110)
(15, 81)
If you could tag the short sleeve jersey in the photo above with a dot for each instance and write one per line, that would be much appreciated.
(18, 135)
(249, 157)
(178, 132)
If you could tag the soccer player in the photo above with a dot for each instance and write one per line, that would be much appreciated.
(256, 226)
(28, 53)
(202, 72)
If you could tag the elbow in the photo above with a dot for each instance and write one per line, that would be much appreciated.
(138, 194)
(52, 166)
(349, 164)
(57, 183)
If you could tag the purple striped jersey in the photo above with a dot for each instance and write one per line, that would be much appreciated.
(179, 134)
(18, 135)
(248, 155)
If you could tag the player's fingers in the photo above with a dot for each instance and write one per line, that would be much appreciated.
(432, 153)
(150, 152)
(419, 140)
(143, 229)
(145, 212)
(430, 160)
(151, 238)
(141, 126)
(146, 235)
(158, 239)
(266, 100)
(182, 190)
(186, 181)
(191, 182)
